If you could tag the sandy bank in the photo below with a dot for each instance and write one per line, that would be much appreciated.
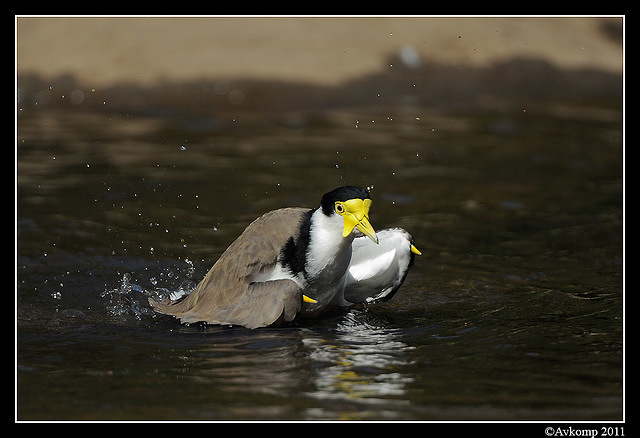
(324, 51)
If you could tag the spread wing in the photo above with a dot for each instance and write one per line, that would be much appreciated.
(376, 272)
(227, 296)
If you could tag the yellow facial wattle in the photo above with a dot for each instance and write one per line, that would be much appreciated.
(355, 213)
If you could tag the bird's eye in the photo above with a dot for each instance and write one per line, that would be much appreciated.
(339, 208)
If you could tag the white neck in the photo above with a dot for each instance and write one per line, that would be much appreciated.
(328, 250)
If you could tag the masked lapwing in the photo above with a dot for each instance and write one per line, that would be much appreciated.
(300, 262)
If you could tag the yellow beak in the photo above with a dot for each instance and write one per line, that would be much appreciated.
(356, 215)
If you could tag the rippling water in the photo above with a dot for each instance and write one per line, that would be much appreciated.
(514, 311)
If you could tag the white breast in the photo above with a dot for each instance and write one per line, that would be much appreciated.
(328, 258)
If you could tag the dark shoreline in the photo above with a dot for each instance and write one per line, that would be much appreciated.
(518, 83)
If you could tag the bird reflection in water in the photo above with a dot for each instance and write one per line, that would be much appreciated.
(360, 363)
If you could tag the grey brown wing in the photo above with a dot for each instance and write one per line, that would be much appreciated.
(270, 303)
(225, 296)
(263, 304)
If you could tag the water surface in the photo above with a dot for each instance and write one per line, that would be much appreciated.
(514, 311)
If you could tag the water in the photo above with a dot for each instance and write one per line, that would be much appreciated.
(514, 311)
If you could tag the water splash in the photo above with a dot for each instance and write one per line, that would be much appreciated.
(130, 299)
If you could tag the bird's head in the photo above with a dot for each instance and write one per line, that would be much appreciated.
(352, 204)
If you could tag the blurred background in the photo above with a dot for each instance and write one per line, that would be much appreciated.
(323, 61)
(144, 146)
